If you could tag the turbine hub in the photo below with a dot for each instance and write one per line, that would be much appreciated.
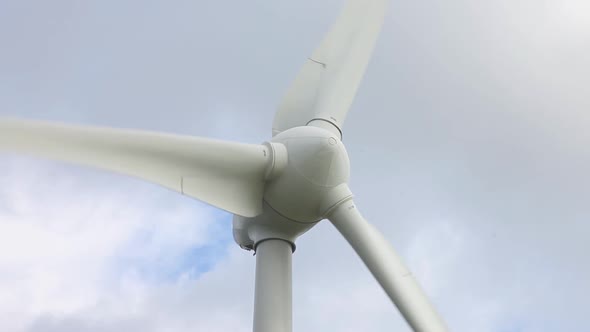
(317, 164)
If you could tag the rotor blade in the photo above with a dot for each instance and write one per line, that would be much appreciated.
(227, 175)
(388, 268)
(326, 85)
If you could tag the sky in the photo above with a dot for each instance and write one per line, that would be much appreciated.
(468, 142)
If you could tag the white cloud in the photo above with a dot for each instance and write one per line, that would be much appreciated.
(67, 242)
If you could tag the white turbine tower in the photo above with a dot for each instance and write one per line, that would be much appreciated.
(277, 190)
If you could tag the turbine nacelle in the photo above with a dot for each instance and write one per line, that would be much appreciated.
(317, 164)
(307, 178)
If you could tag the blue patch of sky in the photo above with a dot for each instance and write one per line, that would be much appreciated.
(6, 207)
(194, 261)
(201, 259)
(512, 326)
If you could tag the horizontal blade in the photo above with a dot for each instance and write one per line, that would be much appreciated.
(325, 87)
(388, 268)
(227, 175)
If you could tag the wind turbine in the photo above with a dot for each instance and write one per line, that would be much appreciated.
(276, 190)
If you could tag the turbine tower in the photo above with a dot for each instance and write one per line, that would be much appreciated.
(276, 190)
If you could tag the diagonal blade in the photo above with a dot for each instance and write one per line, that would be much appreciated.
(325, 87)
(227, 175)
(388, 268)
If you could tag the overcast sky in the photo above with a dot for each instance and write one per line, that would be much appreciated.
(469, 145)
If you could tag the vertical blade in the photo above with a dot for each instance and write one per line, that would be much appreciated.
(326, 86)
